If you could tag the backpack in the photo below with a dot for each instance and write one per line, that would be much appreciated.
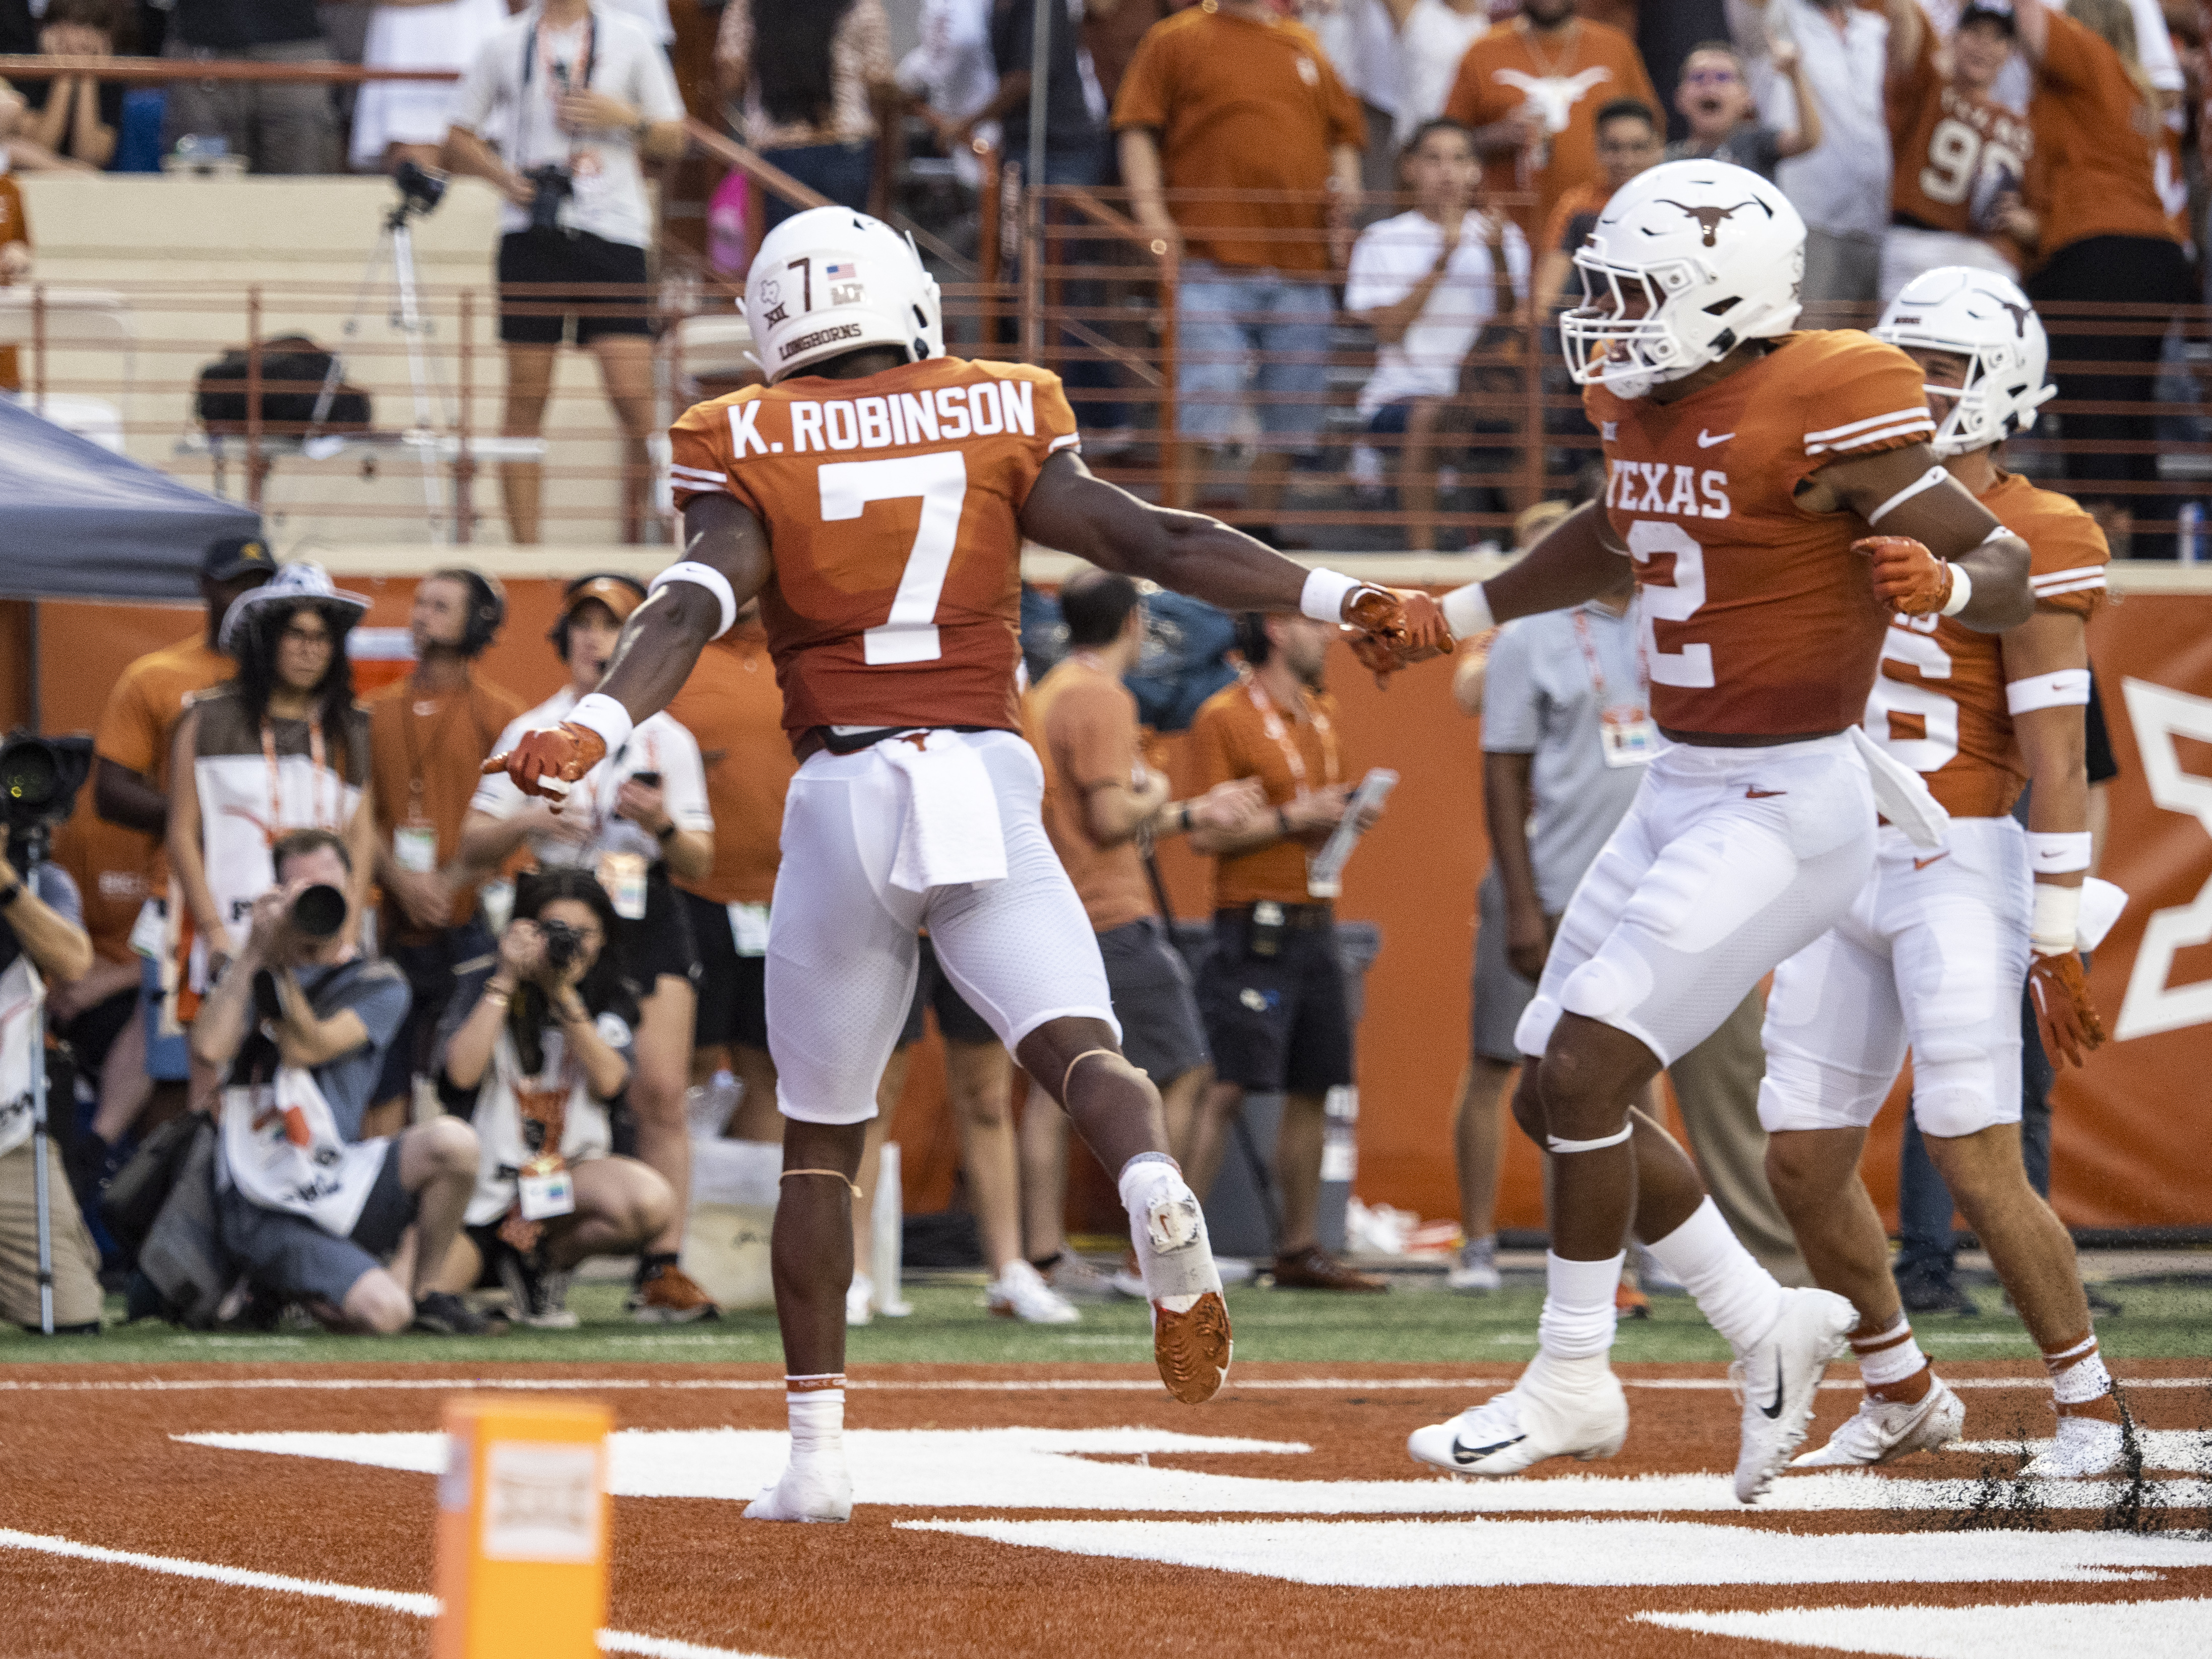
(302, 390)
(183, 1256)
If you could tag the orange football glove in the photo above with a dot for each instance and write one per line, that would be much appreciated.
(1907, 578)
(2063, 1013)
(546, 762)
(1391, 629)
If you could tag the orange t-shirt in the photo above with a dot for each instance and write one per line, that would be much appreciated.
(731, 705)
(1570, 80)
(1941, 703)
(108, 864)
(893, 510)
(1943, 142)
(139, 716)
(1757, 617)
(1082, 721)
(1239, 734)
(1583, 201)
(2100, 142)
(1243, 106)
(426, 755)
(15, 227)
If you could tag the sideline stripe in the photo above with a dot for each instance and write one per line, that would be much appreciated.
(2145, 1629)
(958, 1385)
(420, 1607)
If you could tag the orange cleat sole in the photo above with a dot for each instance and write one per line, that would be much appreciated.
(1192, 1348)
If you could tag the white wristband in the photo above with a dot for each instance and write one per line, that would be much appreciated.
(2057, 919)
(1962, 590)
(702, 575)
(2058, 853)
(1323, 598)
(1466, 612)
(601, 713)
(2054, 690)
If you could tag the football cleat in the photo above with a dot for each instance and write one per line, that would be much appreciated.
(819, 1489)
(1882, 1431)
(1191, 1340)
(1775, 1378)
(2086, 1446)
(1555, 1408)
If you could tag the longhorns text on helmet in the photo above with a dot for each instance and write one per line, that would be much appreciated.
(1983, 318)
(830, 281)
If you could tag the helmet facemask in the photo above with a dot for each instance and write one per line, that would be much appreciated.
(1625, 336)
(1989, 407)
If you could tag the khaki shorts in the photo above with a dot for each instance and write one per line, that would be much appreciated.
(77, 1262)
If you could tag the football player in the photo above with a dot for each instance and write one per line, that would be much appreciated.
(875, 494)
(1746, 467)
(1935, 947)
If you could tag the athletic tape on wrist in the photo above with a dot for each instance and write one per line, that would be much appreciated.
(1962, 591)
(1323, 596)
(2059, 853)
(601, 713)
(702, 575)
(2057, 691)
(1599, 1146)
(1927, 480)
(2058, 920)
(1466, 612)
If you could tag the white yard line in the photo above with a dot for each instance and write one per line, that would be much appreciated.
(2142, 1630)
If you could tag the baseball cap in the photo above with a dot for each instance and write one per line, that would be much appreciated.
(237, 556)
(1989, 11)
(620, 595)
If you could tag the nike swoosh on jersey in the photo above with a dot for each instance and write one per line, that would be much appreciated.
(1774, 1410)
(1707, 439)
(1463, 1453)
(1763, 794)
(1922, 864)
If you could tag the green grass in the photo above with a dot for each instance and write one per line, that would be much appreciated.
(1415, 1323)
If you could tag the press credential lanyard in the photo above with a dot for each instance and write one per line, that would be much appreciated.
(276, 824)
(1274, 724)
(1626, 736)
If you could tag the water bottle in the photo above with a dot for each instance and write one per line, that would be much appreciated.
(2189, 534)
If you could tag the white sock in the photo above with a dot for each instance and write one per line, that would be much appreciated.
(2078, 1374)
(1173, 1277)
(1738, 1298)
(816, 1405)
(1141, 1178)
(1577, 1322)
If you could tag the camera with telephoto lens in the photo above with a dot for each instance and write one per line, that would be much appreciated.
(318, 913)
(563, 945)
(40, 778)
(551, 186)
(420, 191)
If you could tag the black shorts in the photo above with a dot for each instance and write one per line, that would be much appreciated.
(732, 989)
(431, 970)
(1155, 1001)
(1279, 1022)
(955, 1021)
(548, 278)
(659, 944)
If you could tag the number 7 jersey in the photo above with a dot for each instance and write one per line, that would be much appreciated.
(892, 505)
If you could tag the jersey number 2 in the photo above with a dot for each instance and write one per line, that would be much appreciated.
(910, 632)
(1692, 666)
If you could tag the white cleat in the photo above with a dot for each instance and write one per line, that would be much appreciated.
(2086, 1446)
(1555, 1408)
(817, 1489)
(1020, 1292)
(1776, 1379)
(1882, 1431)
(860, 1299)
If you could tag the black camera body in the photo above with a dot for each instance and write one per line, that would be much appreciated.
(420, 189)
(563, 945)
(40, 778)
(552, 184)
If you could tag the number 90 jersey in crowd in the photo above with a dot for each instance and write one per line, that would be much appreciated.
(1757, 618)
(892, 508)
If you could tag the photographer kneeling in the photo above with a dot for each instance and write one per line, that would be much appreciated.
(299, 1026)
(541, 1044)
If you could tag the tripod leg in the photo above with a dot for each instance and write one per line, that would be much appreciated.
(41, 1198)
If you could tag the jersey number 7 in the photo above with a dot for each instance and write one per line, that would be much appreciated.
(910, 632)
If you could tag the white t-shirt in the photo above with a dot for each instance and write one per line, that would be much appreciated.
(613, 53)
(659, 744)
(1430, 42)
(1388, 262)
(1841, 185)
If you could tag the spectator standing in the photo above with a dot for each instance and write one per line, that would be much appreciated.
(575, 96)
(637, 820)
(1963, 159)
(42, 941)
(949, 73)
(1426, 282)
(537, 1045)
(1714, 96)
(396, 121)
(1272, 989)
(1629, 140)
(280, 126)
(1433, 37)
(1103, 809)
(1840, 187)
(428, 738)
(733, 706)
(1074, 142)
(1531, 93)
(1111, 31)
(14, 266)
(78, 115)
(363, 1252)
(804, 73)
(1230, 98)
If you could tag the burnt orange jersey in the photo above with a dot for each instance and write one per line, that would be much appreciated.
(1757, 617)
(1940, 703)
(1949, 146)
(892, 509)
(2101, 142)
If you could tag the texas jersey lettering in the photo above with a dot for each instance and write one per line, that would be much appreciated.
(891, 505)
(1939, 703)
(1757, 618)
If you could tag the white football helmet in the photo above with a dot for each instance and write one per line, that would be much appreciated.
(1687, 260)
(1985, 319)
(830, 281)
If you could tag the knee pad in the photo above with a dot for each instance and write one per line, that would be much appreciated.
(1532, 1034)
(1798, 1092)
(1708, 884)
(1965, 1092)
(1607, 986)
(818, 1111)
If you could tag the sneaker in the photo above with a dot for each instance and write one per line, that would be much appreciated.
(1922, 1292)
(2086, 1446)
(539, 1293)
(819, 1489)
(443, 1314)
(1629, 1303)
(665, 1295)
(1191, 1342)
(1882, 1431)
(1070, 1276)
(1555, 1408)
(1020, 1292)
(860, 1301)
(1475, 1270)
(1775, 1378)
(1314, 1269)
